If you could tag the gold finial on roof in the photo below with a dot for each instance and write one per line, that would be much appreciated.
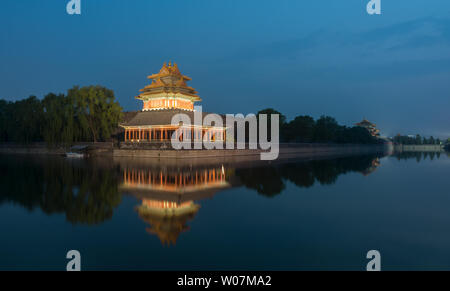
(175, 70)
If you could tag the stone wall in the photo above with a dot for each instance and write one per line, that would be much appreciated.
(419, 148)
(163, 151)
(286, 151)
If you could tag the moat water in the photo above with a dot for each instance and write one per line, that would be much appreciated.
(299, 215)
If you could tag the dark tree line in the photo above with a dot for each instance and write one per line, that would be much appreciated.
(84, 114)
(271, 180)
(416, 140)
(305, 129)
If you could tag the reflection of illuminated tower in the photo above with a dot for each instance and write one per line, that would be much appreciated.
(167, 219)
(375, 164)
(174, 181)
(168, 196)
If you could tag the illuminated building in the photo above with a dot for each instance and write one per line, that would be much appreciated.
(371, 127)
(167, 95)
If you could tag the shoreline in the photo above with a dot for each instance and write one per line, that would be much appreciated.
(286, 151)
(419, 148)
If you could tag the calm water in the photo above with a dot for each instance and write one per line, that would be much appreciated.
(126, 214)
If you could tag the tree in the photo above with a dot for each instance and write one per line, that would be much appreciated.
(25, 120)
(5, 116)
(326, 129)
(96, 111)
(355, 135)
(418, 139)
(60, 123)
(301, 129)
(269, 112)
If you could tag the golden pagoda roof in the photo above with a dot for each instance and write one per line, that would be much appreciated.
(169, 70)
(366, 122)
(170, 81)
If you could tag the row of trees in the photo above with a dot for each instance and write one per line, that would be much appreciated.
(305, 129)
(92, 114)
(84, 114)
(417, 140)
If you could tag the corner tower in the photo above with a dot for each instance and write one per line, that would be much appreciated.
(168, 90)
(371, 127)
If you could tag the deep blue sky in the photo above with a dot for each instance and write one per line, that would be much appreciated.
(300, 57)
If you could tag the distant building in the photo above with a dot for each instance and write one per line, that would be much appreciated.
(167, 95)
(371, 127)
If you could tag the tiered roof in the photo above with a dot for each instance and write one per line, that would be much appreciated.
(371, 127)
(161, 117)
(168, 81)
(366, 123)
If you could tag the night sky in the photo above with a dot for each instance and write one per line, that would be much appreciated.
(309, 57)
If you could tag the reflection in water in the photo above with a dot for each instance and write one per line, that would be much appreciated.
(167, 219)
(375, 164)
(226, 217)
(270, 180)
(86, 192)
(168, 214)
(89, 191)
(168, 195)
(174, 181)
(419, 155)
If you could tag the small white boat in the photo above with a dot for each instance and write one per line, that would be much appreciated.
(74, 155)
